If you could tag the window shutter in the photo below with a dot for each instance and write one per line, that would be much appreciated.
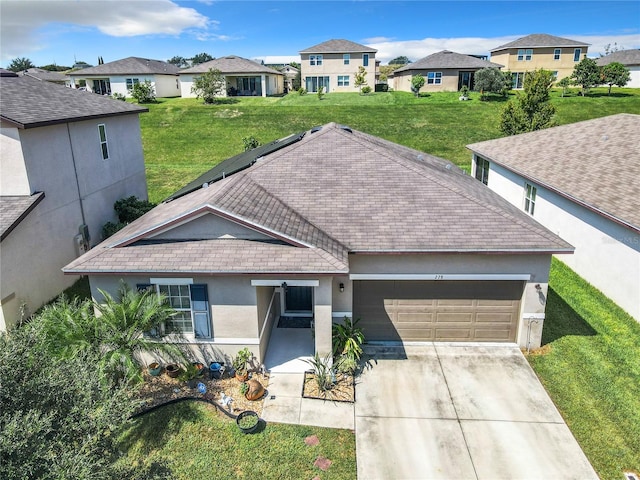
(200, 309)
(143, 287)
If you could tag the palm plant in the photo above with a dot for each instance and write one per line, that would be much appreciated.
(347, 339)
(323, 372)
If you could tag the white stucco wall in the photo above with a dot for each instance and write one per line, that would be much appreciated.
(634, 82)
(13, 173)
(167, 86)
(607, 254)
(271, 84)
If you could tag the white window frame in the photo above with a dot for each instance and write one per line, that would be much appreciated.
(346, 58)
(577, 53)
(130, 82)
(188, 309)
(104, 145)
(530, 194)
(365, 59)
(525, 54)
(315, 60)
(343, 80)
(482, 169)
(557, 53)
(434, 78)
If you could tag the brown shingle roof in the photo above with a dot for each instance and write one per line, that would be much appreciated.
(26, 103)
(129, 66)
(540, 40)
(625, 57)
(14, 209)
(336, 191)
(231, 64)
(595, 162)
(447, 59)
(45, 75)
(338, 46)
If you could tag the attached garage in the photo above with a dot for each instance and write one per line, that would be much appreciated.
(415, 311)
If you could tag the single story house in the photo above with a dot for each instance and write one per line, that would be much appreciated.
(66, 156)
(443, 71)
(243, 77)
(121, 75)
(328, 223)
(581, 182)
(628, 58)
(47, 76)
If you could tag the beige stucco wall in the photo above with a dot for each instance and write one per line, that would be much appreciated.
(607, 254)
(333, 65)
(402, 80)
(541, 58)
(271, 84)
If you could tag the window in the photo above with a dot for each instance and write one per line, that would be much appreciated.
(576, 54)
(191, 303)
(556, 54)
(516, 79)
(131, 82)
(343, 80)
(346, 58)
(525, 54)
(313, 83)
(102, 132)
(315, 60)
(529, 198)
(365, 59)
(482, 170)
(434, 78)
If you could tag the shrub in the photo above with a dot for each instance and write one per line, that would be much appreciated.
(119, 96)
(366, 89)
(324, 375)
(347, 339)
(128, 209)
(417, 82)
(320, 93)
(302, 91)
(209, 86)
(250, 143)
(144, 92)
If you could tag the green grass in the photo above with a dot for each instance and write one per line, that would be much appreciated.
(183, 138)
(192, 440)
(592, 371)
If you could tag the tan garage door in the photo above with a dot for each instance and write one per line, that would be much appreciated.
(437, 310)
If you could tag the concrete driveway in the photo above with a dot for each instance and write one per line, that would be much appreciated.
(456, 411)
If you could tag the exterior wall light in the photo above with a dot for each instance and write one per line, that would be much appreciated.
(342, 287)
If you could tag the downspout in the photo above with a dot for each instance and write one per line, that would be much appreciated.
(75, 172)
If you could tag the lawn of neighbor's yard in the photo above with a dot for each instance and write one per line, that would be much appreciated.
(591, 364)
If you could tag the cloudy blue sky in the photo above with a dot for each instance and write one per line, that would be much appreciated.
(54, 31)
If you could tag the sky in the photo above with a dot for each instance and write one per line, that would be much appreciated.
(63, 32)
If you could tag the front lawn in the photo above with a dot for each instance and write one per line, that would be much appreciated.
(591, 370)
(182, 138)
(191, 440)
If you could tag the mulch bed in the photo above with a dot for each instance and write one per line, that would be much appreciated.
(343, 390)
(162, 389)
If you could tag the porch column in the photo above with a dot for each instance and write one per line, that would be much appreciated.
(322, 317)
(263, 82)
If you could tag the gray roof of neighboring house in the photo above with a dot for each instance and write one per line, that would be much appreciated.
(338, 46)
(334, 192)
(595, 163)
(129, 66)
(625, 57)
(27, 103)
(540, 40)
(447, 59)
(229, 65)
(45, 75)
(14, 209)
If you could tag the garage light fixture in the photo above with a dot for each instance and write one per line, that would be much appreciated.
(342, 287)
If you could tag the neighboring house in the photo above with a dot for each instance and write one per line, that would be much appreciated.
(581, 182)
(47, 76)
(628, 58)
(539, 50)
(331, 223)
(443, 71)
(333, 65)
(120, 77)
(243, 77)
(290, 74)
(65, 157)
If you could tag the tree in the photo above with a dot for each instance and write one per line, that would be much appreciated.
(417, 82)
(532, 109)
(490, 80)
(295, 65)
(586, 74)
(565, 83)
(399, 61)
(20, 64)
(52, 67)
(360, 78)
(297, 81)
(209, 85)
(201, 58)
(178, 61)
(614, 73)
(144, 92)
(609, 49)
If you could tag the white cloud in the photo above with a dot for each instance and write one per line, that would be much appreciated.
(416, 49)
(23, 21)
(279, 58)
(378, 40)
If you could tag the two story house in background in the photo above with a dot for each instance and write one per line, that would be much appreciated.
(121, 75)
(333, 65)
(65, 157)
(539, 50)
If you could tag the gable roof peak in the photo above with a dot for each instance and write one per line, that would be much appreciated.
(535, 40)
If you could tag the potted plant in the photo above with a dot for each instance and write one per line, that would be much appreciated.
(154, 369)
(202, 369)
(173, 370)
(190, 375)
(240, 364)
(464, 93)
(247, 421)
